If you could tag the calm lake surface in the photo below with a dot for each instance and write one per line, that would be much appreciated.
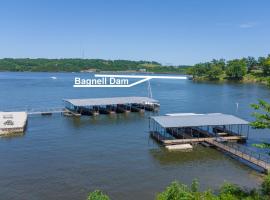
(65, 158)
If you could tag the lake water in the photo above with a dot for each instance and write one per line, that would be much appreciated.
(65, 158)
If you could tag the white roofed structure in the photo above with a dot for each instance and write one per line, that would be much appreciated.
(12, 122)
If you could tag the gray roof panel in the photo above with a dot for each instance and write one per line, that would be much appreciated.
(110, 101)
(216, 119)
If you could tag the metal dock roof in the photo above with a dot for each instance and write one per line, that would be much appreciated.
(214, 119)
(110, 101)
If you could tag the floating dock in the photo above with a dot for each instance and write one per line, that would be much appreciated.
(218, 130)
(47, 111)
(12, 123)
(95, 106)
(179, 147)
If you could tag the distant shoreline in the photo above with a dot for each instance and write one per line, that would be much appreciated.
(198, 79)
(100, 72)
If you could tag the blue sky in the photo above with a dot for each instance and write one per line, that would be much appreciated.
(170, 32)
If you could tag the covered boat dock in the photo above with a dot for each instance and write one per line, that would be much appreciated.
(183, 126)
(95, 106)
(221, 131)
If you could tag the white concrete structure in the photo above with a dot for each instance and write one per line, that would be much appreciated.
(12, 122)
(179, 147)
(181, 114)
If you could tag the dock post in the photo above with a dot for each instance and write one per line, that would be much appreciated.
(248, 131)
(149, 124)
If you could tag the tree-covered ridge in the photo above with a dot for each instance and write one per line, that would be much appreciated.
(76, 65)
(246, 69)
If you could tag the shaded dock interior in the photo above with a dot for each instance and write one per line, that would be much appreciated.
(221, 131)
(96, 106)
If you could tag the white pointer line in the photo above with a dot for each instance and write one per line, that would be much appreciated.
(101, 86)
(144, 78)
(135, 76)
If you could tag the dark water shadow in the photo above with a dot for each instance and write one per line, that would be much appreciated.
(106, 119)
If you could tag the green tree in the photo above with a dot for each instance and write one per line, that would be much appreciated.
(175, 191)
(265, 187)
(268, 81)
(232, 191)
(220, 63)
(199, 69)
(266, 66)
(261, 60)
(228, 191)
(97, 195)
(236, 69)
(262, 115)
(251, 62)
(214, 72)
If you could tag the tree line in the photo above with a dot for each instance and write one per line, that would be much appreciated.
(249, 69)
(179, 191)
(77, 65)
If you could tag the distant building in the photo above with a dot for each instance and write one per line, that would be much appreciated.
(12, 122)
(142, 70)
(90, 70)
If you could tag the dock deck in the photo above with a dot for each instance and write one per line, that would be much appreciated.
(251, 157)
(199, 140)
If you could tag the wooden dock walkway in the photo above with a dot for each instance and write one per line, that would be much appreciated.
(230, 147)
(46, 112)
(196, 140)
(249, 156)
(51, 111)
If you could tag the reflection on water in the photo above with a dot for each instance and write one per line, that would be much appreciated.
(199, 153)
(107, 119)
(12, 135)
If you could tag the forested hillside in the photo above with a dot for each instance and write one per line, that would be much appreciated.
(76, 65)
(247, 69)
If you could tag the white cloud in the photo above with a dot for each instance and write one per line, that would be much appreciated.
(243, 25)
(247, 25)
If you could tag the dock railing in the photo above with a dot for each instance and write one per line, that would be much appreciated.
(245, 153)
(33, 111)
